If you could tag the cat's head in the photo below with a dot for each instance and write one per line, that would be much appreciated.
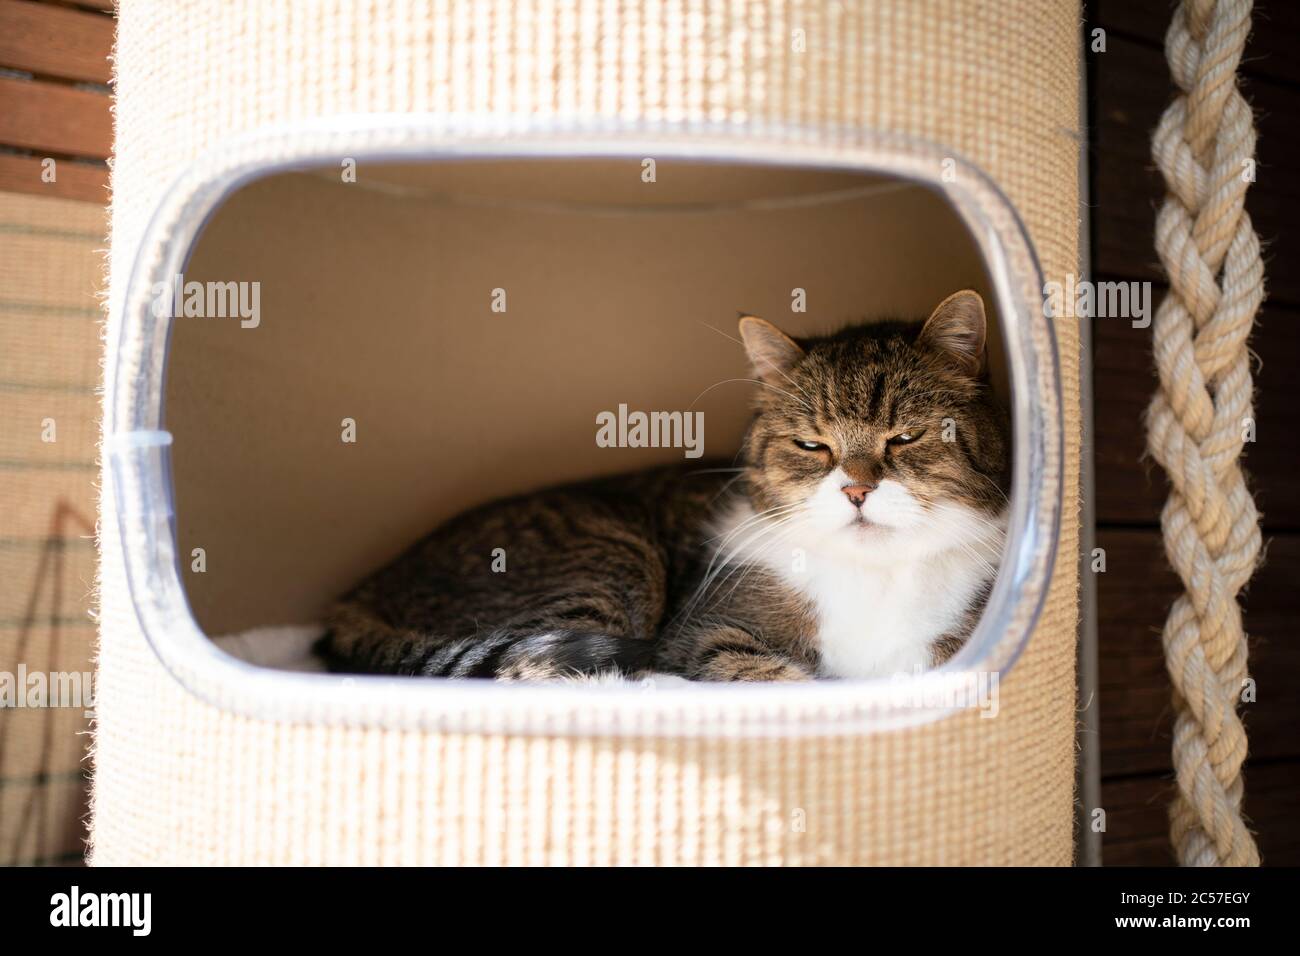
(881, 433)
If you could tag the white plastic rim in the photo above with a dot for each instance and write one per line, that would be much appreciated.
(138, 461)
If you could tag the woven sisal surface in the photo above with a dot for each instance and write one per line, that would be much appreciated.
(178, 781)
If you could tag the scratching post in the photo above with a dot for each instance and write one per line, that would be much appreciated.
(200, 759)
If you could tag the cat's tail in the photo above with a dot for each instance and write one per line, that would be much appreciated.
(550, 655)
(359, 642)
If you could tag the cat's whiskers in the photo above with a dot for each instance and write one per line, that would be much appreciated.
(752, 381)
(972, 523)
(784, 374)
(988, 566)
(969, 534)
(960, 531)
(757, 516)
(755, 543)
(960, 534)
(766, 522)
(788, 528)
(993, 484)
(710, 573)
(727, 485)
(986, 531)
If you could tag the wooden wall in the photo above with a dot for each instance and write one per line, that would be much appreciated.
(1129, 88)
(54, 73)
(54, 106)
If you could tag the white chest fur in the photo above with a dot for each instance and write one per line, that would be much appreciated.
(881, 601)
(879, 619)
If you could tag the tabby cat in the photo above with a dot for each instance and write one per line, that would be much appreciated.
(859, 539)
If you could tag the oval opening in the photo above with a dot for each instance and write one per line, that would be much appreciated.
(470, 319)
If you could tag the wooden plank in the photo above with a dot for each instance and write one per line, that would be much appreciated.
(1137, 820)
(55, 41)
(59, 554)
(53, 260)
(82, 181)
(1270, 51)
(48, 117)
(1132, 88)
(1131, 488)
(49, 810)
(1133, 596)
(73, 418)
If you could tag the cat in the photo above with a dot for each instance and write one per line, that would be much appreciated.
(859, 538)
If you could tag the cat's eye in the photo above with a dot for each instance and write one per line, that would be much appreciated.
(811, 445)
(906, 438)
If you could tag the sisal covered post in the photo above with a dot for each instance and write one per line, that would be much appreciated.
(201, 760)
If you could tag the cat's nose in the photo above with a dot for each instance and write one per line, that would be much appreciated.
(857, 494)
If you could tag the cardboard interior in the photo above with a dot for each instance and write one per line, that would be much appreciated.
(376, 304)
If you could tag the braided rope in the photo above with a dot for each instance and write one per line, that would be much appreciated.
(1197, 420)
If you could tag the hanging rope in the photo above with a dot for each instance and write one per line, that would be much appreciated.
(1198, 420)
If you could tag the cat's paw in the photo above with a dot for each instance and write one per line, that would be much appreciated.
(764, 668)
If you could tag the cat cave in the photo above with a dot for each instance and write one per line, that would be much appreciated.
(427, 272)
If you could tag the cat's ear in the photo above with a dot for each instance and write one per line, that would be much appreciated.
(958, 329)
(771, 352)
